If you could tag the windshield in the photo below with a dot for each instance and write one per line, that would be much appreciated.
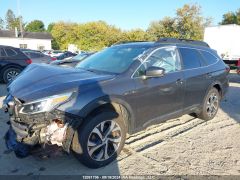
(80, 57)
(116, 59)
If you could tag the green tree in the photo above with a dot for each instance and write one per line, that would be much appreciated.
(90, 36)
(166, 27)
(1, 23)
(238, 16)
(135, 35)
(188, 23)
(229, 18)
(97, 35)
(12, 21)
(55, 45)
(35, 26)
(50, 27)
(63, 33)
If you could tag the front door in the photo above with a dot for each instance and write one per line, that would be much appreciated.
(159, 97)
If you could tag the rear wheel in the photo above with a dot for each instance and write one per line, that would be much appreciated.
(99, 141)
(10, 74)
(210, 105)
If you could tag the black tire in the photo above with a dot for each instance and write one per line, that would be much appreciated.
(207, 112)
(11, 71)
(85, 132)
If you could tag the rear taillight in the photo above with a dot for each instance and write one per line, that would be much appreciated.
(238, 63)
(28, 61)
(53, 58)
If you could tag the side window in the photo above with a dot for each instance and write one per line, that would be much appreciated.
(191, 58)
(35, 55)
(209, 58)
(41, 54)
(2, 53)
(10, 52)
(166, 58)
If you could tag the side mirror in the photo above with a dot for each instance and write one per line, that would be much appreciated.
(154, 72)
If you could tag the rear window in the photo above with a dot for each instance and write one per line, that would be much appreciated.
(191, 58)
(209, 58)
(10, 52)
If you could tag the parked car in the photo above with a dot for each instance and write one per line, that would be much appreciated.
(12, 62)
(66, 55)
(89, 109)
(56, 53)
(73, 61)
(38, 57)
(47, 52)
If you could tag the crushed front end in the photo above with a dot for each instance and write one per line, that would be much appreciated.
(31, 124)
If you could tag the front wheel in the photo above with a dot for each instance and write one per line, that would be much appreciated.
(210, 105)
(99, 141)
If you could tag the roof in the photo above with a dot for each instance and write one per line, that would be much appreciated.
(30, 35)
(136, 44)
(153, 44)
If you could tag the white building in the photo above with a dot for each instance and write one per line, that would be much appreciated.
(28, 40)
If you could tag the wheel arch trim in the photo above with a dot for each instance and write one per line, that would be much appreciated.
(114, 101)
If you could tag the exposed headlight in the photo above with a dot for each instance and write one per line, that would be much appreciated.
(45, 104)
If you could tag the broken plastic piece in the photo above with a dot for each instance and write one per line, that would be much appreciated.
(21, 150)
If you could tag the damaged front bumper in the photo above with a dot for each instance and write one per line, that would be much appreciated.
(28, 130)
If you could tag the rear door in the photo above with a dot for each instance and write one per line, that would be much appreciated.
(2, 58)
(197, 79)
(15, 56)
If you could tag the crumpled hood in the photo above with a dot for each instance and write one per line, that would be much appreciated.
(40, 80)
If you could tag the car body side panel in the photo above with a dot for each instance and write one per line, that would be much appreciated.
(196, 85)
(156, 97)
(119, 91)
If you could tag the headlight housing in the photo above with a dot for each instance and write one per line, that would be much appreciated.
(45, 104)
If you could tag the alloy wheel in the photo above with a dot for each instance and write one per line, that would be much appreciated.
(212, 105)
(11, 75)
(104, 140)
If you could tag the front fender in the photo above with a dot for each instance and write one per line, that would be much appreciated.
(114, 101)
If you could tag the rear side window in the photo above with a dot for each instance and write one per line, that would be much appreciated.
(209, 58)
(35, 55)
(2, 53)
(191, 58)
(10, 52)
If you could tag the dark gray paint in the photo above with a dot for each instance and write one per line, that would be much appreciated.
(147, 100)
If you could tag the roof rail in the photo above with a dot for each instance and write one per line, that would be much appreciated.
(183, 41)
(125, 42)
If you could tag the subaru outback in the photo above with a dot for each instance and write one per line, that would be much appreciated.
(88, 110)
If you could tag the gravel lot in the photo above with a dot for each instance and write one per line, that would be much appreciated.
(184, 146)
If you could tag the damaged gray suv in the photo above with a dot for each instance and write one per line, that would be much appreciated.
(88, 110)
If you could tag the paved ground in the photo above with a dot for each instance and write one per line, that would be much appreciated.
(184, 146)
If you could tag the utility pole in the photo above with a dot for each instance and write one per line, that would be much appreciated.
(20, 18)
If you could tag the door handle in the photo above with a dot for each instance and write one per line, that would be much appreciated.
(179, 81)
(209, 75)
